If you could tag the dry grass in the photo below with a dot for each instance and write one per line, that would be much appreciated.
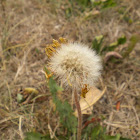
(26, 26)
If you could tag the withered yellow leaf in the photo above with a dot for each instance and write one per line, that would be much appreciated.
(31, 90)
(92, 96)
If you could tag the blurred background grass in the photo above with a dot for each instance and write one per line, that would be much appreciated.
(27, 26)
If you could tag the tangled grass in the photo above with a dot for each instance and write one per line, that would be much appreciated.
(26, 28)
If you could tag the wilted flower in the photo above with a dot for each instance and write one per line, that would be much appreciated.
(74, 64)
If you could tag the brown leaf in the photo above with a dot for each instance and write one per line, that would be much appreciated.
(111, 54)
(118, 106)
(92, 96)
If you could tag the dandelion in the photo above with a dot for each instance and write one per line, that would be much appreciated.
(75, 65)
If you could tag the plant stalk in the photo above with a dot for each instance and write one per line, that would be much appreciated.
(79, 130)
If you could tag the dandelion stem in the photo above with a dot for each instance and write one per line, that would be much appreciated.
(79, 116)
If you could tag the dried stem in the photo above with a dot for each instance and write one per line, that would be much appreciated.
(79, 116)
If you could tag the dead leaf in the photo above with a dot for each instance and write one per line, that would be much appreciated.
(26, 95)
(118, 105)
(92, 96)
(111, 54)
(31, 90)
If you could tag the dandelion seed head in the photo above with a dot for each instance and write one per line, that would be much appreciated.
(75, 65)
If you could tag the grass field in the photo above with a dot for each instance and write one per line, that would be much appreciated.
(26, 26)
